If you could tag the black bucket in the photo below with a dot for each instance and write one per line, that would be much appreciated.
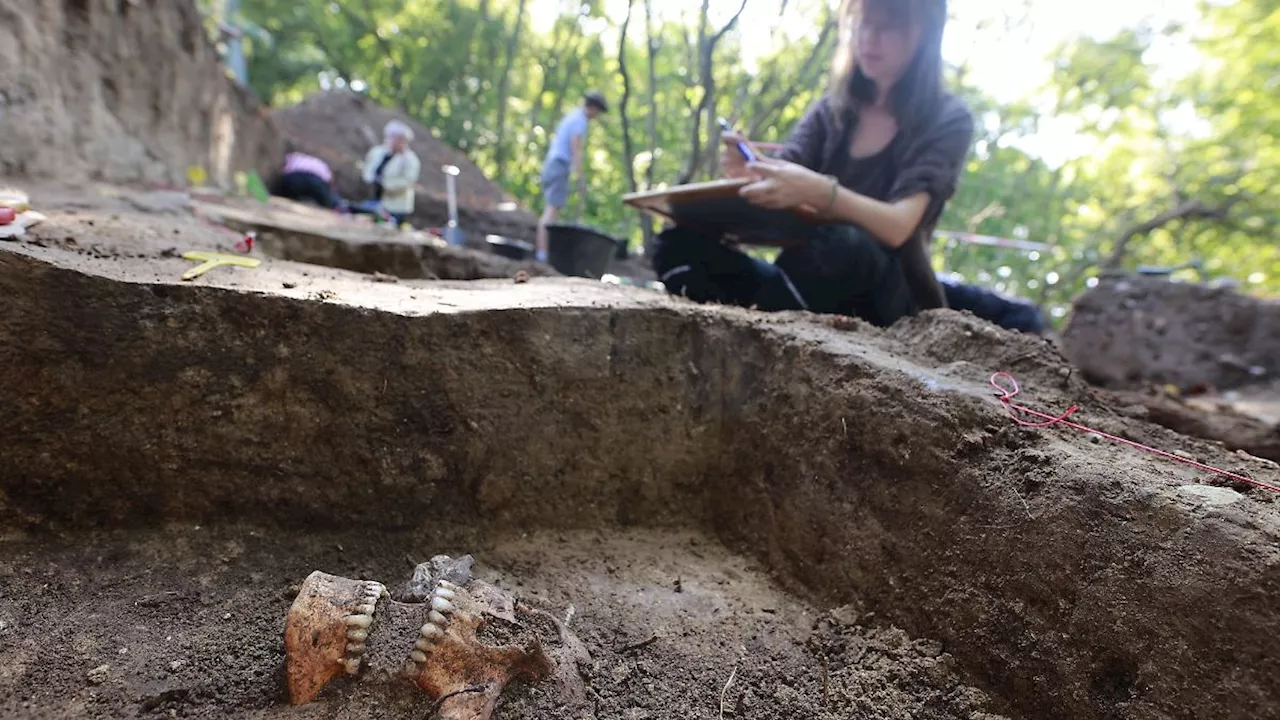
(579, 250)
(509, 247)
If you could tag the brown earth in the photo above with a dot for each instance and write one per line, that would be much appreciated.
(341, 126)
(122, 90)
(133, 223)
(813, 518)
(1211, 417)
(1131, 332)
(292, 231)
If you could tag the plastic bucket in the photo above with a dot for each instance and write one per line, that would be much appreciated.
(579, 250)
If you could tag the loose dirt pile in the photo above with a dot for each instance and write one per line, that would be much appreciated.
(1131, 332)
(1186, 356)
(124, 91)
(796, 516)
(340, 127)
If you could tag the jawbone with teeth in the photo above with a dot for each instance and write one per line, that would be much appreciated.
(460, 640)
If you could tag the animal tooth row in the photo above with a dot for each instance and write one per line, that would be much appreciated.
(358, 626)
(441, 605)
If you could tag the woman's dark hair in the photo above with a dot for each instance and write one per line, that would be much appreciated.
(916, 97)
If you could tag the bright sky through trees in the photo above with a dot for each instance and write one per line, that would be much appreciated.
(1004, 43)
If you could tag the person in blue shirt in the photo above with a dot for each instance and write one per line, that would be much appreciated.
(564, 162)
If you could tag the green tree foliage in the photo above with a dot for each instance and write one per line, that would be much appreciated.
(1184, 168)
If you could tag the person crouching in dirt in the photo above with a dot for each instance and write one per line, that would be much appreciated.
(307, 178)
(392, 168)
(877, 157)
(564, 162)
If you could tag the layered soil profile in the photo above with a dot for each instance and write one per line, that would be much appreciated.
(811, 518)
(123, 91)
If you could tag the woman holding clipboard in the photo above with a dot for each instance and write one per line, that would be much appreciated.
(877, 158)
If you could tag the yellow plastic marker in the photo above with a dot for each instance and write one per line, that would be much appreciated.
(196, 175)
(211, 260)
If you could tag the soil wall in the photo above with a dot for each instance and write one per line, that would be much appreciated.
(122, 90)
(1074, 581)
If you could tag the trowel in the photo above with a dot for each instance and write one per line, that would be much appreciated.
(452, 233)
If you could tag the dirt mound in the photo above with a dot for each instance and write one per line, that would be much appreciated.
(115, 90)
(340, 127)
(1135, 331)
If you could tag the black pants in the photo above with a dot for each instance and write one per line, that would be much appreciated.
(1008, 314)
(840, 269)
(305, 186)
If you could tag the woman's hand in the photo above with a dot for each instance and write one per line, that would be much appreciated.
(782, 185)
(732, 164)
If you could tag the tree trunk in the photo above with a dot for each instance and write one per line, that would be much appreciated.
(570, 69)
(474, 47)
(628, 150)
(651, 46)
(810, 73)
(563, 67)
(706, 106)
(504, 89)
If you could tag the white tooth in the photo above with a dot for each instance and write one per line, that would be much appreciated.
(445, 593)
(437, 619)
(355, 648)
(432, 632)
(423, 644)
(365, 610)
(358, 621)
(352, 665)
(442, 605)
(357, 635)
(417, 657)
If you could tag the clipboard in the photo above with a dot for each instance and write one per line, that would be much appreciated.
(715, 207)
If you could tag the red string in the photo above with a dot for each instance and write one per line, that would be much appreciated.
(1017, 412)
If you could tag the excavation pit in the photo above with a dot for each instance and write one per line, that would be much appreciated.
(742, 515)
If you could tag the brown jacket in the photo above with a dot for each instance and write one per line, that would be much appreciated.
(929, 160)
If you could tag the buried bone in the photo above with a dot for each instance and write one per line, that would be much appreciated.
(327, 620)
(459, 640)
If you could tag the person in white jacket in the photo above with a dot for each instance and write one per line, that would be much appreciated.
(393, 169)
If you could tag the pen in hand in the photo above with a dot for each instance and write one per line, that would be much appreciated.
(747, 153)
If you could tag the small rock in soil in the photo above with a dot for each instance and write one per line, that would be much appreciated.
(1210, 495)
(98, 675)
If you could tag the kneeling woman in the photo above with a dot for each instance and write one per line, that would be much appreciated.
(877, 157)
